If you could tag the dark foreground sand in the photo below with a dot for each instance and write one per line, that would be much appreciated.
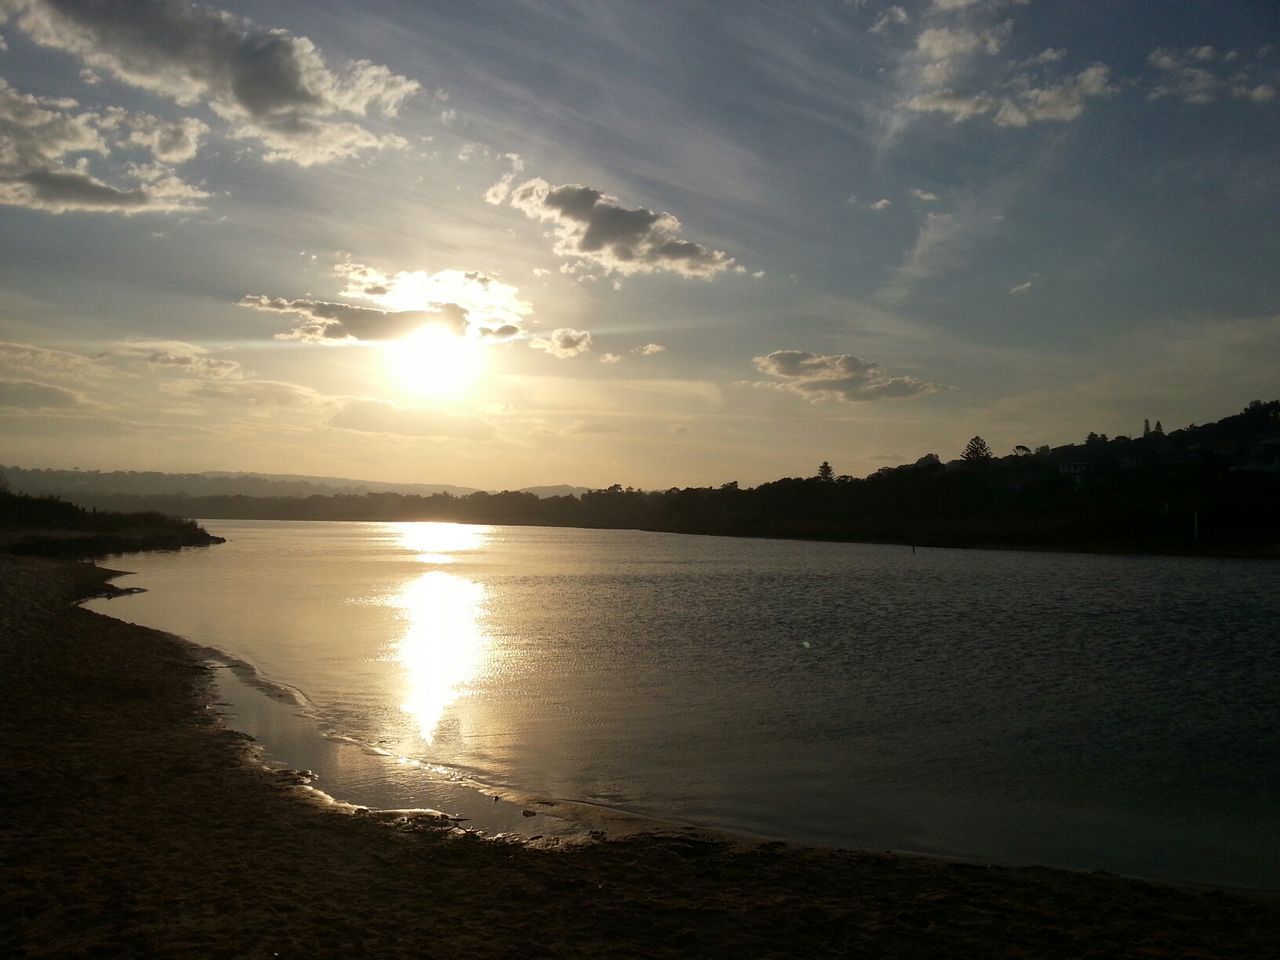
(133, 825)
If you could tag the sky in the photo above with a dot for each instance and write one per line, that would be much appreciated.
(503, 244)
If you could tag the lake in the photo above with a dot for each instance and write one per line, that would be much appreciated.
(1083, 711)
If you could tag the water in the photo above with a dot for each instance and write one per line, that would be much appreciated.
(1094, 712)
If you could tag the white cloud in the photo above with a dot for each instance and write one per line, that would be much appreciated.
(1262, 93)
(841, 377)
(1020, 289)
(489, 304)
(890, 17)
(592, 228)
(172, 142)
(943, 43)
(649, 349)
(956, 106)
(1201, 75)
(882, 204)
(564, 342)
(610, 358)
(467, 302)
(1048, 55)
(497, 193)
(1057, 103)
(268, 85)
(924, 195)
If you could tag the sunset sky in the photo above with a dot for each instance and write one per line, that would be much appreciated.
(501, 244)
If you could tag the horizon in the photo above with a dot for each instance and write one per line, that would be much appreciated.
(661, 247)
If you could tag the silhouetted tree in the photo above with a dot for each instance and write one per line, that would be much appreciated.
(1022, 451)
(825, 473)
(1158, 428)
(977, 451)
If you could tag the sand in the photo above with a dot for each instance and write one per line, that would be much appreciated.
(133, 824)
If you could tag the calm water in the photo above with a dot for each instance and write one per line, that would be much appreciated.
(1118, 713)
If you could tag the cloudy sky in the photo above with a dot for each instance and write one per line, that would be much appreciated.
(511, 243)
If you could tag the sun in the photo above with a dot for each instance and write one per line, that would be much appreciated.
(435, 361)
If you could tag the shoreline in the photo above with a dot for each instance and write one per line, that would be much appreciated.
(137, 824)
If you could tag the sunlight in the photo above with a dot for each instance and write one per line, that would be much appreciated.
(437, 542)
(435, 361)
(443, 644)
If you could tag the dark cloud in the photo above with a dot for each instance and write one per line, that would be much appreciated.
(336, 322)
(591, 227)
(504, 332)
(268, 85)
(377, 416)
(195, 364)
(841, 377)
(38, 138)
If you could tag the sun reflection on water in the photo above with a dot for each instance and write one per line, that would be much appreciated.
(444, 642)
(437, 542)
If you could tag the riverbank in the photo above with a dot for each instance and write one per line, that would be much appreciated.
(135, 824)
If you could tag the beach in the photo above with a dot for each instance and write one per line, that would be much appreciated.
(136, 825)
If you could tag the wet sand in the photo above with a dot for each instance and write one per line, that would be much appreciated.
(133, 824)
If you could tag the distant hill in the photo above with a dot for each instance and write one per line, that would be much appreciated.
(1208, 489)
(147, 483)
(559, 490)
(222, 483)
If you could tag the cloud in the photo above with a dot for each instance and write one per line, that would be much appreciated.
(891, 16)
(174, 141)
(592, 228)
(649, 349)
(254, 393)
(32, 395)
(497, 193)
(564, 342)
(957, 106)
(943, 43)
(610, 358)
(268, 85)
(924, 195)
(882, 204)
(1057, 103)
(182, 357)
(378, 416)
(1060, 102)
(38, 137)
(1200, 75)
(489, 305)
(24, 358)
(325, 322)
(1020, 289)
(841, 377)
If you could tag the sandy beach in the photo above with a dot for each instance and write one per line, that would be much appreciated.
(136, 825)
